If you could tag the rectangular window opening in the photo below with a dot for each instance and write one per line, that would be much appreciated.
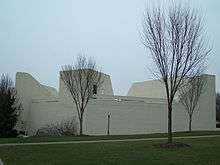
(94, 89)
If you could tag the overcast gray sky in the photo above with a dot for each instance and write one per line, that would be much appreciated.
(38, 36)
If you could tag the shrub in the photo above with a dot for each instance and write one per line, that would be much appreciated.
(63, 128)
(10, 134)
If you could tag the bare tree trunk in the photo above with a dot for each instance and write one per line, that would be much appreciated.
(190, 123)
(81, 126)
(170, 138)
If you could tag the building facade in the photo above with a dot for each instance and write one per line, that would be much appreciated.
(142, 111)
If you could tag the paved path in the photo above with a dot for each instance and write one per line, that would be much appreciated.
(106, 141)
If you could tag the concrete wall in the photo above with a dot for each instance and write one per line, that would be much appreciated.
(28, 89)
(150, 89)
(129, 115)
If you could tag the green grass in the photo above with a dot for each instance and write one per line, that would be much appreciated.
(204, 151)
(75, 138)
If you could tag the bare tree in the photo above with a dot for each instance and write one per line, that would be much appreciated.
(177, 46)
(189, 95)
(82, 80)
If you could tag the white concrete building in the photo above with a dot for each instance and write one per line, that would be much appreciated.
(142, 111)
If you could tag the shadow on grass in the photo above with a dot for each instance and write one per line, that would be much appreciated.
(173, 145)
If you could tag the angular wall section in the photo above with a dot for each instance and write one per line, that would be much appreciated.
(29, 89)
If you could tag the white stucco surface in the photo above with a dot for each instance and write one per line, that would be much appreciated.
(143, 111)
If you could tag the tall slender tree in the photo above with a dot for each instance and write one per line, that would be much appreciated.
(9, 107)
(177, 45)
(82, 80)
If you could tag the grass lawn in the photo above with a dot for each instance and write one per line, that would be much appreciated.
(104, 137)
(204, 151)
